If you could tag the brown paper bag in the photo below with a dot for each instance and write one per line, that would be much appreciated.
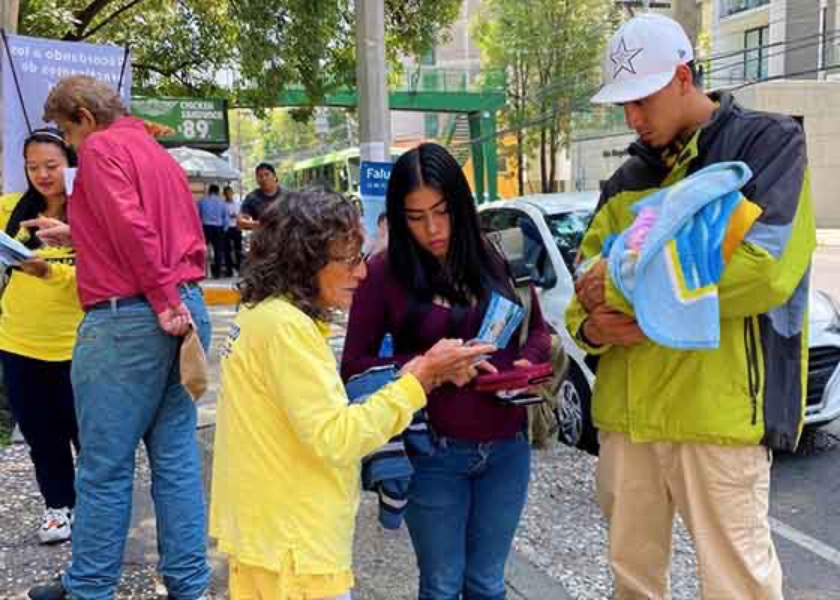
(194, 374)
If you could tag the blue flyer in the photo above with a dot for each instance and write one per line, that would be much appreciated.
(500, 321)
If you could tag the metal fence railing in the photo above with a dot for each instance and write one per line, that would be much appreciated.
(426, 79)
(429, 79)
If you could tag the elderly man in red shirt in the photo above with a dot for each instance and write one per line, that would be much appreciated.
(140, 254)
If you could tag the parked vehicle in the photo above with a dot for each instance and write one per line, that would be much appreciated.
(553, 226)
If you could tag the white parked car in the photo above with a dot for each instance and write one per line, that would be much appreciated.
(553, 225)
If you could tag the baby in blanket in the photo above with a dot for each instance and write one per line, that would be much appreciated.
(668, 263)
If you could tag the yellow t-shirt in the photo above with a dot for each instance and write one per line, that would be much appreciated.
(7, 206)
(40, 316)
(288, 447)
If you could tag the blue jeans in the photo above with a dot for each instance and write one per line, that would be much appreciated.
(125, 377)
(464, 505)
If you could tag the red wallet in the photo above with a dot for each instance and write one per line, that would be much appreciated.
(514, 379)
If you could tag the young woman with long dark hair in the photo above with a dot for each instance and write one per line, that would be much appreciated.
(434, 282)
(40, 315)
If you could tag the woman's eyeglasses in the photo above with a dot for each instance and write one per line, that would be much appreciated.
(352, 261)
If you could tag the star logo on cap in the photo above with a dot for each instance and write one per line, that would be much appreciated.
(622, 58)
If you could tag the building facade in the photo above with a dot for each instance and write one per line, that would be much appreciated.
(779, 56)
(754, 40)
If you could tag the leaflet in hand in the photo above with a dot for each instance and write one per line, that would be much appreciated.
(12, 252)
(500, 321)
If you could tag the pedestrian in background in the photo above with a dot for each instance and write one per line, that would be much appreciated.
(288, 449)
(214, 222)
(685, 430)
(40, 315)
(233, 235)
(256, 202)
(435, 281)
(140, 256)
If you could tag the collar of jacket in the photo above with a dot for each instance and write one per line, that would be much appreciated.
(688, 145)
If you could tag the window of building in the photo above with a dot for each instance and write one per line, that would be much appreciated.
(755, 53)
(732, 7)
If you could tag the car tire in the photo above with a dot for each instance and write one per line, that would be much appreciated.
(574, 404)
(813, 440)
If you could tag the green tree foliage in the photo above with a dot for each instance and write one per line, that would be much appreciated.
(503, 32)
(551, 51)
(280, 138)
(180, 46)
(177, 46)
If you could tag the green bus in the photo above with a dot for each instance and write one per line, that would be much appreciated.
(338, 171)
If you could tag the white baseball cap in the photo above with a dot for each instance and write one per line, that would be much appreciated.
(642, 58)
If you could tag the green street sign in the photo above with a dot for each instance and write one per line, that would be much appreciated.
(198, 122)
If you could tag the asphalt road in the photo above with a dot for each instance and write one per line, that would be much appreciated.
(806, 518)
(805, 495)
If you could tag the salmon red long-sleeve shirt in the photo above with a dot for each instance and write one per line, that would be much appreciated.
(134, 223)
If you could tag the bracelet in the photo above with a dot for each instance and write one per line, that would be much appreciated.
(582, 336)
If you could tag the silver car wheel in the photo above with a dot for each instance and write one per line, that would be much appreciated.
(571, 412)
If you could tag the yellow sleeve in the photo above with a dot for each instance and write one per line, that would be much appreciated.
(763, 275)
(8, 202)
(766, 269)
(302, 376)
(599, 230)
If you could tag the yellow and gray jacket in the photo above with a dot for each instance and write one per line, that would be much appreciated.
(750, 390)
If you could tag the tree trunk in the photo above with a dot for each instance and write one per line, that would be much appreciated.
(553, 146)
(543, 159)
(521, 76)
(520, 162)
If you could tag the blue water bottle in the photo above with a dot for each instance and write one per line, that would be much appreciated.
(386, 348)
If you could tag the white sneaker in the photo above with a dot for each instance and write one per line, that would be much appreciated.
(56, 525)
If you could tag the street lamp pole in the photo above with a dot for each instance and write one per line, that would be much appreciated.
(374, 118)
(9, 15)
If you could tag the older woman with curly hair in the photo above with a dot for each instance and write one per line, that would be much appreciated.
(288, 444)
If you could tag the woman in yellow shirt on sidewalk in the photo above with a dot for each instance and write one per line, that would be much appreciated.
(40, 315)
(286, 474)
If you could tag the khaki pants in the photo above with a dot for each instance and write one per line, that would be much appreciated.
(722, 495)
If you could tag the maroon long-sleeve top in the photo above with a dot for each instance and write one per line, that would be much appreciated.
(382, 305)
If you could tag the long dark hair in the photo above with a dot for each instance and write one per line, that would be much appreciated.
(33, 203)
(473, 266)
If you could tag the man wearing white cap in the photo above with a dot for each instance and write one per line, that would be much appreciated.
(693, 431)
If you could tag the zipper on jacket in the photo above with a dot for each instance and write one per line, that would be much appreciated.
(753, 372)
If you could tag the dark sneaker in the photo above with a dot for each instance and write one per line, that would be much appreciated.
(50, 591)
